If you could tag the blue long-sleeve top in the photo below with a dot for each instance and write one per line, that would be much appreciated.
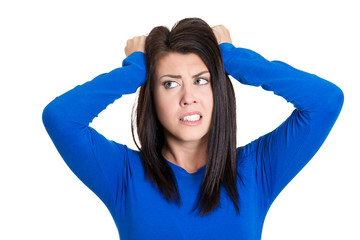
(116, 175)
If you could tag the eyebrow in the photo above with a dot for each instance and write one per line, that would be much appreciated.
(179, 76)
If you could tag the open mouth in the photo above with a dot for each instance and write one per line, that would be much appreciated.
(191, 118)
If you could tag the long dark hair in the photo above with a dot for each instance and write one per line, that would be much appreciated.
(191, 35)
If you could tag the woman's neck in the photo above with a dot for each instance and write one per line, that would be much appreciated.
(190, 156)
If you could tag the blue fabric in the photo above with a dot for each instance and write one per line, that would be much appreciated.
(116, 175)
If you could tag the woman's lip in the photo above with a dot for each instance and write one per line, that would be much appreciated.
(190, 123)
(191, 113)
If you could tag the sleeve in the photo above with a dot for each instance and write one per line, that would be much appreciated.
(99, 163)
(282, 153)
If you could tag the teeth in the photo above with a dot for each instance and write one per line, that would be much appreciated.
(194, 117)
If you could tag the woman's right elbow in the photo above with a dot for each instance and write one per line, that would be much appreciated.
(50, 114)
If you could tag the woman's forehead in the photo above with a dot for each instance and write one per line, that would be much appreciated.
(178, 64)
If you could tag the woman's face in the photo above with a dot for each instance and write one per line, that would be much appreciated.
(183, 97)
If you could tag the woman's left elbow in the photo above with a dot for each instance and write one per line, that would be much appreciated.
(335, 99)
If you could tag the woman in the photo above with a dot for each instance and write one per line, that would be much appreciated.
(188, 180)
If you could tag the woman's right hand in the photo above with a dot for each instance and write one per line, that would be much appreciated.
(136, 44)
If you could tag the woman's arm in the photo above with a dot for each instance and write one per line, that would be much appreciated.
(101, 164)
(282, 153)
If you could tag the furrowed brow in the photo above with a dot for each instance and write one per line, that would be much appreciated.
(171, 76)
(179, 76)
(200, 73)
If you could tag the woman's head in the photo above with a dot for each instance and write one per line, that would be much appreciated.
(192, 44)
(183, 98)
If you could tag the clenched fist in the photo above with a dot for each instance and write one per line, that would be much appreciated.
(222, 34)
(135, 44)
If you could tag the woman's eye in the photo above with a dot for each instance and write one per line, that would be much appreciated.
(170, 84)
(201, 81)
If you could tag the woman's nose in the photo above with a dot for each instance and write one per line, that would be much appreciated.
(188, 96)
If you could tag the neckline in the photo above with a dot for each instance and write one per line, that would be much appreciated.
(182, 171)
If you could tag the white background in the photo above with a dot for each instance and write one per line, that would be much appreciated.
(49, 47)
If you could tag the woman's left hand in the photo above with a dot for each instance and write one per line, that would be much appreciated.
(222, 34)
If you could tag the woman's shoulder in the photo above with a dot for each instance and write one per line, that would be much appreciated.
(247, 155)
(248, 150)
(132, 157)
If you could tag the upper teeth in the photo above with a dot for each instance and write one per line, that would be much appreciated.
(194, 117)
